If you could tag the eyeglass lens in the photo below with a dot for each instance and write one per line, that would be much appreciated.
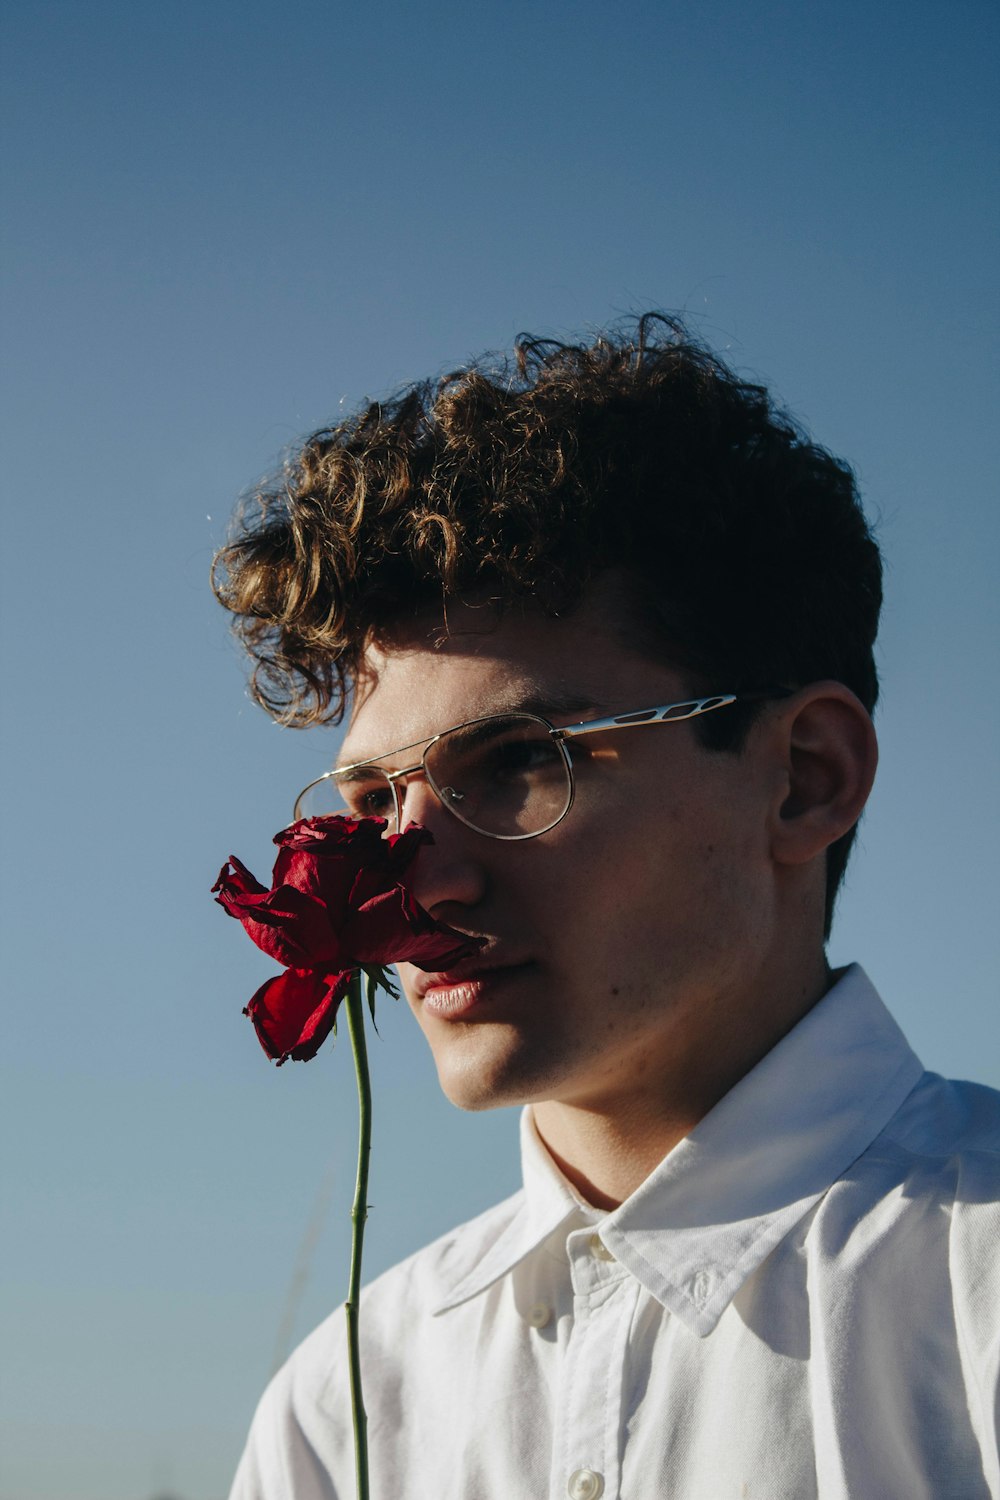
(503, 776)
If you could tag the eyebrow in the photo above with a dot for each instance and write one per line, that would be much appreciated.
(556, 703)
(542, 704)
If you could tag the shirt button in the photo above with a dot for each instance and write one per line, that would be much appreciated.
(585, 1484)
(540, 1315)
(599, 1251)
(701, 1288)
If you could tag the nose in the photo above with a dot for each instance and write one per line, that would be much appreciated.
(450, 873)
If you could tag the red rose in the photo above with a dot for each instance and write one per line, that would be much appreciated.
(338, 902)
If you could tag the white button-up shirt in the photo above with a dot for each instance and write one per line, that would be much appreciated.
(803, 1299)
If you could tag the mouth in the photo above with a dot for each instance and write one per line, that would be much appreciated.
(455, 993)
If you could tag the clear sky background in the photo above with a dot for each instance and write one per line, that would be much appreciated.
(226, 222)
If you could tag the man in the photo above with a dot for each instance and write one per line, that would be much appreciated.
(604, 619)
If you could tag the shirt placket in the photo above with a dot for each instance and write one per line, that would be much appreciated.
(589, 1410)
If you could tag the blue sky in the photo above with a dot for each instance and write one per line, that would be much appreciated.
(226, 223)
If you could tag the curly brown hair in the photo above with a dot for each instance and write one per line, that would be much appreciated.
(747, 556)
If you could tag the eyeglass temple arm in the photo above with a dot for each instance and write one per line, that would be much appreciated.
(669, 713)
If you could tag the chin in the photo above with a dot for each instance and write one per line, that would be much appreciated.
(475, 1092)
(476, 1083)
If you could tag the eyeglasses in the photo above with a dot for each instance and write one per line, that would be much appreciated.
(508, 776)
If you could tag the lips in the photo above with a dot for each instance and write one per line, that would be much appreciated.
(471, 973)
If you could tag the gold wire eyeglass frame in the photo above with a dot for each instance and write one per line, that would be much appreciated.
(669, 713)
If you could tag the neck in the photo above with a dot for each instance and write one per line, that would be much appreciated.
(607, 1147)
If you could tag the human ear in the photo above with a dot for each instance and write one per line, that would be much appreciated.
(826, 741)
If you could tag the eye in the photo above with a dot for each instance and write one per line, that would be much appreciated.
(377, 803)
(366, 794)
(520, 757)
(511, 760)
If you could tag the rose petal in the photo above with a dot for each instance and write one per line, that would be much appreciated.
(287, 924)
(357, 837)
(403, 847)
(239, 882)
(392, 927)
(293, 1014)
(329, 879)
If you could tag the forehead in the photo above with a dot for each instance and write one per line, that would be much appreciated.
(438, 673)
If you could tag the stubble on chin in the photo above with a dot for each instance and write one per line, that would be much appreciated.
(478, 1072)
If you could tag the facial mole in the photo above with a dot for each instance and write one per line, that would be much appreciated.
(615, 990)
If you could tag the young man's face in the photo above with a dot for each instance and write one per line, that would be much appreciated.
(624, 945)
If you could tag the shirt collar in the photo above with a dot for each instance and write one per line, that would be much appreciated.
(731, 1190)
(547, 1202)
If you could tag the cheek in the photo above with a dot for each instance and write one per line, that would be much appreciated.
(691, 873)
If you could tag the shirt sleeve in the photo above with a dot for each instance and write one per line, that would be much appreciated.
(280, 1460)
(975, 1257)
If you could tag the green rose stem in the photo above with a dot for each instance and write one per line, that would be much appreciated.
(359, 1213)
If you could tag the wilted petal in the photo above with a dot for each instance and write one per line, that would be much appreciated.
(403, 847)
(328, 878)
(336, 836)
(287, 924)
(293, 1014)
(392, 927)
(236, 882)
